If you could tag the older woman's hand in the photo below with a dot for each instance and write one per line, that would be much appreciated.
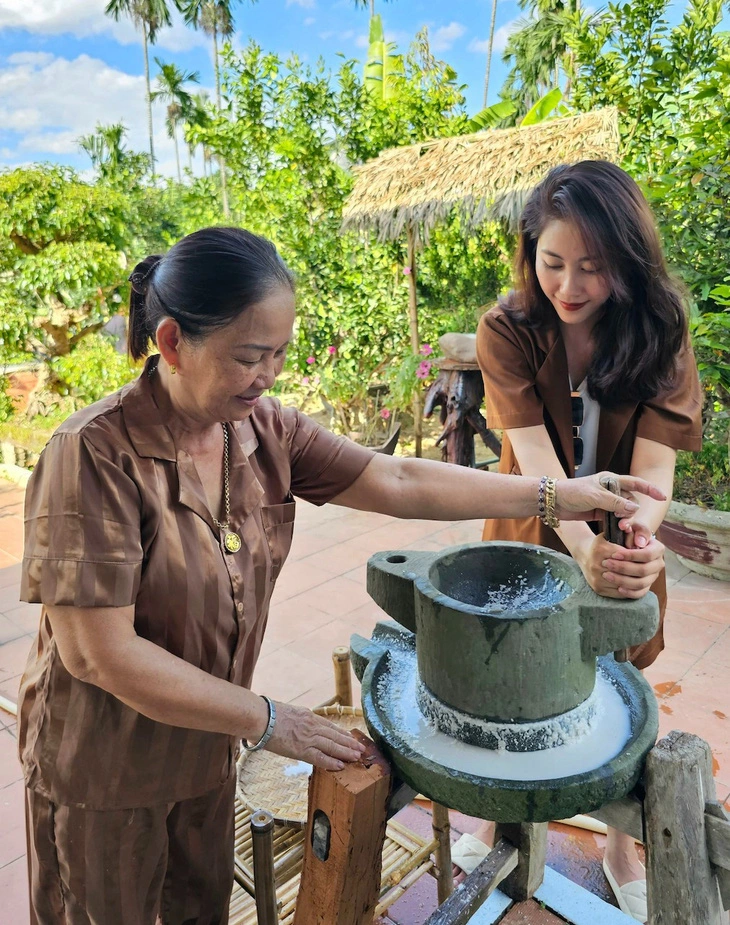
(587, 498)
(301, 734)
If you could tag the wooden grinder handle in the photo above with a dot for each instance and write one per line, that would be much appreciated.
(614, 534)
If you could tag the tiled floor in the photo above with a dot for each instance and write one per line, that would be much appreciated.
(319, 601)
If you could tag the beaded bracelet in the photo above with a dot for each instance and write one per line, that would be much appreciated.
(546, 500)
(268, 732)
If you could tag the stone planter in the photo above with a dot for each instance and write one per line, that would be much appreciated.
(700, 537)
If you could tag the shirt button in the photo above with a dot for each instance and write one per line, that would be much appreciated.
(239, 607)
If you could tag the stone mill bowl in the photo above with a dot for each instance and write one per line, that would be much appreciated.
(497, 653)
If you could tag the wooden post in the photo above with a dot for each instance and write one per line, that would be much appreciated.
(262, 842)
(682, 886)
(530, 839)
(343, 848)
(415, 339)
(476, 888)
(442, 833)
(343, 678)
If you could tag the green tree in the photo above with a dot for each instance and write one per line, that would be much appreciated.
(362, 4)
(149, 16)
(171, 82)
(62, 262)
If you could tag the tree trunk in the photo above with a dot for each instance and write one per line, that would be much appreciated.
(149, 96)
(415, 340)
(489, 52)
(221, 159)
(177, 155)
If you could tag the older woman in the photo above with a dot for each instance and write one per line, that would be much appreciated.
(157, 522)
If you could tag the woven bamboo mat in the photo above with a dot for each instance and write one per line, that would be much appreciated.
(281, 785)
(406, 857)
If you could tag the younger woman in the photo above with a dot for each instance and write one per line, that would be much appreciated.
(587, 366)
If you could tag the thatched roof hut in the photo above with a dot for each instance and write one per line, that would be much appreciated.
(485, 176)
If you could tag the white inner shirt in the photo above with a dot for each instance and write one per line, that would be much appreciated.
(588, 430)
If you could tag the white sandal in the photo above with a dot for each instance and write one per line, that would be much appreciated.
(468, 853)
(631, 897)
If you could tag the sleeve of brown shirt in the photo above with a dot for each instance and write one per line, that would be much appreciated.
(674, 417)
(82, 528)
(322, 465)
(508, 372)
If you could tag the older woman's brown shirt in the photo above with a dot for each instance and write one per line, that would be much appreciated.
(116, 515)
(526, 383)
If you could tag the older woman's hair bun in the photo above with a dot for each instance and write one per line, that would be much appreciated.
(139, 277)
(204, 282)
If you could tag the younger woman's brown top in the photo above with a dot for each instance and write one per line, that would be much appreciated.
(526, 383)
(116, 515)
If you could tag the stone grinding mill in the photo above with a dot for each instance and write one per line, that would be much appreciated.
(496, 693)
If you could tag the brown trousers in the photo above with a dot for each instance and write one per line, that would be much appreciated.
(169, 864)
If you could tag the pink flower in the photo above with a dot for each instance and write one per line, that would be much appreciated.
(423, 370)
(426, 349)
(384, 413)
(305, 380)
(311, 360)
(406, 271)
(332, 350)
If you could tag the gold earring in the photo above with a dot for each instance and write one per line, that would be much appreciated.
(173, 369)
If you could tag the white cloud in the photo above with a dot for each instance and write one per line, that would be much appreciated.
(50, 101)
(442, 39)
(501, 36)
(310, 21)
(84, 18)
(305, 4)
(398, 37)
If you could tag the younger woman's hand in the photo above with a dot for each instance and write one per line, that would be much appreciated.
(299, 733)
(633, 570)
(587, 498)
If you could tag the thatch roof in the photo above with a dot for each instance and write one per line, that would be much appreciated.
(486, 176)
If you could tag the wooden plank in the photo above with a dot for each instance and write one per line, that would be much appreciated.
(492, 909)
(682, 886)
(483, 880)
(718, 845)
(626, 815)
(574, 903)
(344, 842)
(530, 839)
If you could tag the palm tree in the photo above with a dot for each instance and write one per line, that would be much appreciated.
(150, 16)
(363, 3)
(215, 18)
(489, 52)
(197, 117)
(105, 146)
(171, 89)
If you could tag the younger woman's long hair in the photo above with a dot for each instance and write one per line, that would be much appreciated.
(643, 324)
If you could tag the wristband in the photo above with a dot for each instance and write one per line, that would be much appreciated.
(268, 732)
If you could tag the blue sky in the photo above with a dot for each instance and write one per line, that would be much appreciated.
(64, 65)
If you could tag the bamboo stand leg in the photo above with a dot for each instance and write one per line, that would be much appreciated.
(262, 839)
(682, 886)
(442, 833)
(343, 678)
(530, 839)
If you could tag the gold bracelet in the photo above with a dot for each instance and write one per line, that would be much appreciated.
(546, 500)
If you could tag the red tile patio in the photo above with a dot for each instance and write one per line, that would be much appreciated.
(319, 601)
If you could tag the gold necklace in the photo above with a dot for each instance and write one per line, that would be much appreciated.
(231, 540)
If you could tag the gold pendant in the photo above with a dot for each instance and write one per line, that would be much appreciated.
(232, 542)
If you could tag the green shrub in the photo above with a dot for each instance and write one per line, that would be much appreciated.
(93, 369)
(704, 478)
